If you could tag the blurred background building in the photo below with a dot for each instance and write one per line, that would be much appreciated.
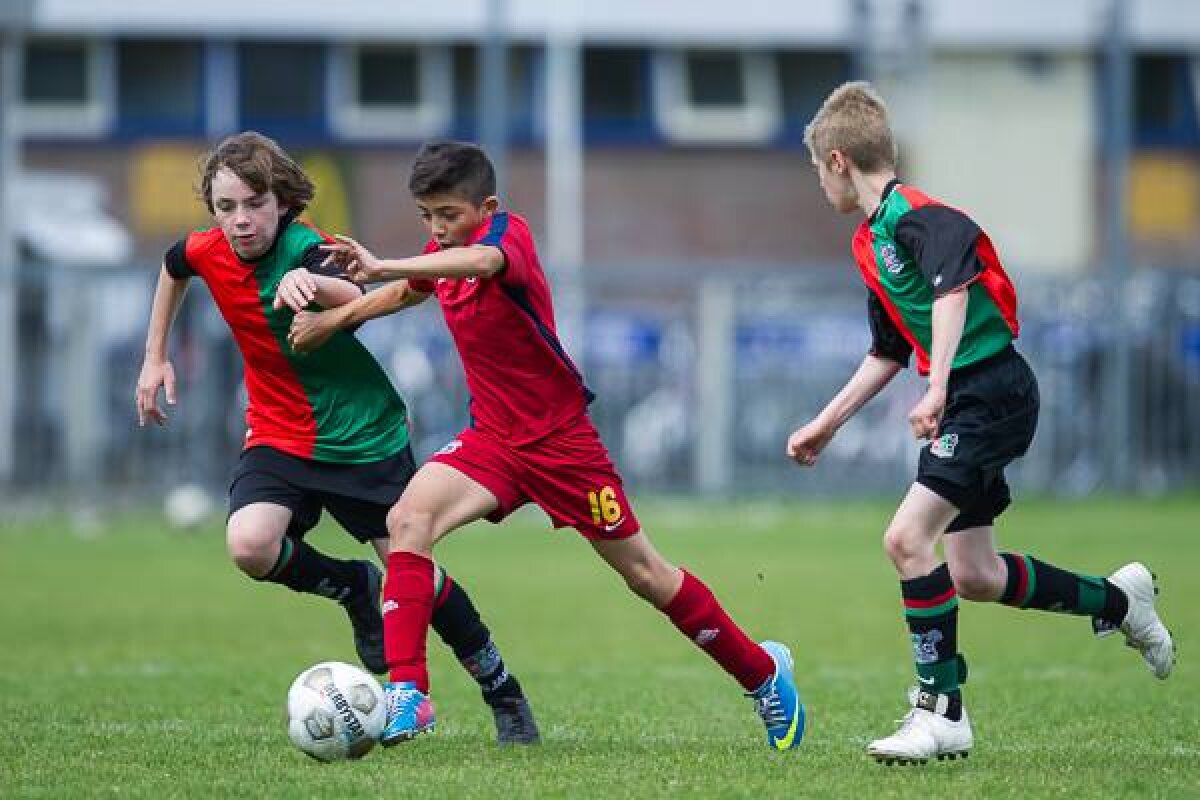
(656, 148)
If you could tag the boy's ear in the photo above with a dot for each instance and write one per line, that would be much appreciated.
(838, 163)
(490, 204)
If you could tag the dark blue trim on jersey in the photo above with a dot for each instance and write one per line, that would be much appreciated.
(496, 230)
(518, 296)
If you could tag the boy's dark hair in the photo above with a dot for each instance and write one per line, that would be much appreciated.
(262, 164)
(459, 168)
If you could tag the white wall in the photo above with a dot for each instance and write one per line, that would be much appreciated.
(1011, 142)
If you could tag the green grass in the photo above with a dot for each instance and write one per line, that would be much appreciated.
(135, 662)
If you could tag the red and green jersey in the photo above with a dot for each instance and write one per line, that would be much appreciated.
(914, 249)
(335, 404)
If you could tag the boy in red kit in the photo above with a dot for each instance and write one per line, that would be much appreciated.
(530, 438)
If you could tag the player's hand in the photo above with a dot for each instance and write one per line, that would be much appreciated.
(806, 443)
(357, 262)
(297, 289)
(926, 416)
(154, 375)
(310, 330)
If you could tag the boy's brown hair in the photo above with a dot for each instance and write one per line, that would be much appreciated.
(854, 120)
(262, 164)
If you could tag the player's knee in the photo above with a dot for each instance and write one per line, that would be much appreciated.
(249, 552)
(974, 582)
(410, 528)
(903, 542)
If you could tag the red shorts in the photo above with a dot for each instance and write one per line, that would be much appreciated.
(568, 474)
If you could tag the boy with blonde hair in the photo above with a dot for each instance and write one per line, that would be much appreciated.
(936, 288)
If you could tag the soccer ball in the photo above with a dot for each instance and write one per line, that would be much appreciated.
(335, 711)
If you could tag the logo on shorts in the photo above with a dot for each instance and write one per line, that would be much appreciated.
(451, 447)
(943, 446)
(706, 635)
(612, 526)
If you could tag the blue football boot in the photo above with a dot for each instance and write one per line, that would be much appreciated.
(778, 702)
(409, 713)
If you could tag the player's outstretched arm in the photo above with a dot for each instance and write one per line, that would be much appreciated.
(362, 266)
(300, 287)
(157, 372)
(807, 442)
(312, 329)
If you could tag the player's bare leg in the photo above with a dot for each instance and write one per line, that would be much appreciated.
(936, 725)
(257, 540)
(438, 500)
(765, 671)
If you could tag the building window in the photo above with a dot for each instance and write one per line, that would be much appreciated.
(616, 89)
(1165, 100)
(524, 73)
(715, 79)
(390, 91)
(805, 80)
(67, 88)
(281, 87)
(159, 87)
(715, 96)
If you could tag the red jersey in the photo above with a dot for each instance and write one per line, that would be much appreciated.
(523, 384)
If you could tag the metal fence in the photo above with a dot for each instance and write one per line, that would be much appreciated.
(699, 383)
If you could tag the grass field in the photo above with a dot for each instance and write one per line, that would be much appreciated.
(135, 662)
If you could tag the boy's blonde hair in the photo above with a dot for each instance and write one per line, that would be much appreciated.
(853, 119)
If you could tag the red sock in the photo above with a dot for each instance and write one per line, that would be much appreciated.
(696, 612)
(407, 608)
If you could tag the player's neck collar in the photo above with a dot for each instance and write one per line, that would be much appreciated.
(887, 191)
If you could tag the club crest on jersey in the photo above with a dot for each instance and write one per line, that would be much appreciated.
(944, 445)
(891, 259)
(450, 447)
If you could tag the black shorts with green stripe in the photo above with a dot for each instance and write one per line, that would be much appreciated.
(991, 415)
(358, 496)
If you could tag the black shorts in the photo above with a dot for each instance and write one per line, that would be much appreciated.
(991, 415)
(358, 496)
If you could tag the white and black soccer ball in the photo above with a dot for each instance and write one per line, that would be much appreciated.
(335, 711)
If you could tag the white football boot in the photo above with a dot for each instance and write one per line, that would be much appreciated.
(1143, 630)
(925, 733)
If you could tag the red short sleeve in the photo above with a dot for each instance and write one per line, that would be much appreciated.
(511, 235)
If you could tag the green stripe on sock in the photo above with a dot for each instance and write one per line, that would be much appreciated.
(286, 548)
(1030, 581)
(933, 611)
(1092, 595)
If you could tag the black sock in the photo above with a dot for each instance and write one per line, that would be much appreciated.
(1035, 584)
(458, 624)
(303, 569)
(931, 611)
